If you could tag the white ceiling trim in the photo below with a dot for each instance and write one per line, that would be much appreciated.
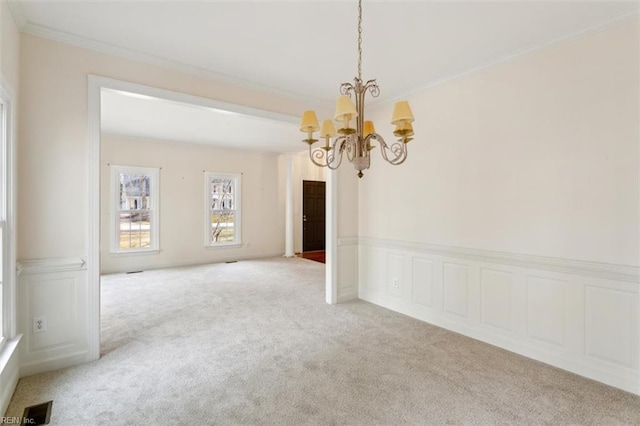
(17, 14)
(97, 46)
(615, 21)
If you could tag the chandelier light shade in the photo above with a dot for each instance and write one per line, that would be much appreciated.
(328, 129)
(345, 109)
(368, 128)
(401, 113)
(355, 135)
(309, 122)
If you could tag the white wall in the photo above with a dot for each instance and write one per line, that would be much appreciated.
(537, 156)
(347, 241)
(515, 217)
(182, 203)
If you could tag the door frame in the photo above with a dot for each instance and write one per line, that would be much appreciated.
(95, 86)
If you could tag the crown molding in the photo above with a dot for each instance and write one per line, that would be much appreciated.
(17, 13)
(626, 273)
(109, 49)
(549, 44)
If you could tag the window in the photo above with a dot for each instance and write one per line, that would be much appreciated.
(135, 212)
(7, 214)
(3, 192)
(222, 209)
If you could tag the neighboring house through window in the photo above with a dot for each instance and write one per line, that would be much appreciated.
(135, 212)
(222, 209)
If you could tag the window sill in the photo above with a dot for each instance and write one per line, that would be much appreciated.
(134, 253)
(9, 346)
(223, 246)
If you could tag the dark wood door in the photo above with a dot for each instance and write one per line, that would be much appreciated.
(313, 211)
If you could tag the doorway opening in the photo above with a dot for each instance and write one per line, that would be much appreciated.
(98, 86)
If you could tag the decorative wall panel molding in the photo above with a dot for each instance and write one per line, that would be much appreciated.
(52, 310)
(546, 310)
(579, 316)
(455, 289)
(495, 298)
(422, 273)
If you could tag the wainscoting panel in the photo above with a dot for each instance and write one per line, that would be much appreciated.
(610, 315)
(545, 310)
(456, 289)
(579, 316)
(60, 316)
(422, 273)
(495, 298)
(52, 311)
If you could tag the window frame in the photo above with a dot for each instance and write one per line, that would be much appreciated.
(8, 300)
(154, 209)
(237, 216)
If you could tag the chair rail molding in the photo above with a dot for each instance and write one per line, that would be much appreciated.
(50, 265)
(595, 269)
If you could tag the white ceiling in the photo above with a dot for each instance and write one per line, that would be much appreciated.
(305, 49)
(129, 114)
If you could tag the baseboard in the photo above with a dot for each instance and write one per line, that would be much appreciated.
(352, 294)
(52, 364)
(9, 372)
(198, 262)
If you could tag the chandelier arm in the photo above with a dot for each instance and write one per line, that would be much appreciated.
(398, 149)
(347, 88)
(336, 152)
(372, 87)
(318, 156)
(325, 158)
(350, 147)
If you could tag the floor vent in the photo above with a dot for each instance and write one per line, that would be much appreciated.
(37, 414)
(231, 261)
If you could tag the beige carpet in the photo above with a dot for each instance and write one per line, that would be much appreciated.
(254, 343)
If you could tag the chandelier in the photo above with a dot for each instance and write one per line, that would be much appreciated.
(358, 142)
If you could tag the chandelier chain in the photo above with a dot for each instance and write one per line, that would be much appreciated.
(360, 39)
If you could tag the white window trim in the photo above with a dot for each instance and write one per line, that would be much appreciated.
(8, 156)
(238, 209)
(155, 209)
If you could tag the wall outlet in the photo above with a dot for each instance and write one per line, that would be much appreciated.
(39, 324)
(395, 283)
